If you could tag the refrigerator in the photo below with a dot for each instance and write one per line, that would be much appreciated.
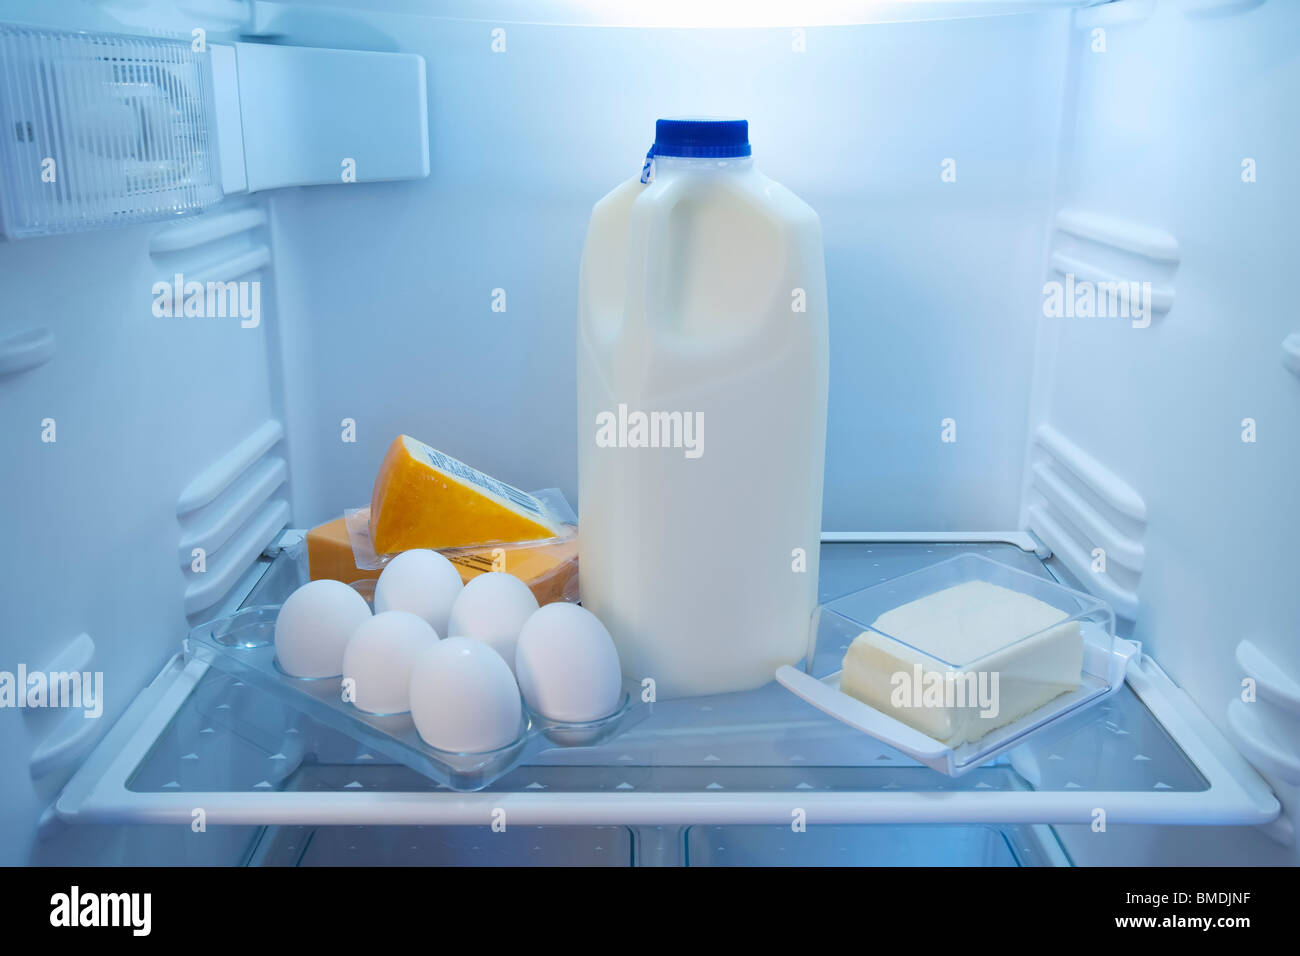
(395, 193)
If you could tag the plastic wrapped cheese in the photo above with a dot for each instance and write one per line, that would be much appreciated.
(549, 568)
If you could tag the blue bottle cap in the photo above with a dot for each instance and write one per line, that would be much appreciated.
(702, 138)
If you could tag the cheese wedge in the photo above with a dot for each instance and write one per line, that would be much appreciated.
(425, 499)
(329, 554)
(550, 570)
(960, 663)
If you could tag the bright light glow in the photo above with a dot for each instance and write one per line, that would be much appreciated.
(779, 13)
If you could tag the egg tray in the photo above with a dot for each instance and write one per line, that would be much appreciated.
(243, 645)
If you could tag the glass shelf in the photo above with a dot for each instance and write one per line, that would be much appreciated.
(198, 737)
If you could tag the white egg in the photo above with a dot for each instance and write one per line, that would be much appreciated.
(422, 582)
(464, 698)
(314, 625)
(380, 659)
(567, 665)
(492, 608)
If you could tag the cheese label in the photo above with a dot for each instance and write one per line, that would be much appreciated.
(487, 483)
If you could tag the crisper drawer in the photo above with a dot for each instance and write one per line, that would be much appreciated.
(746, 765)
(443, 846)
(746, 845)
(983, 846)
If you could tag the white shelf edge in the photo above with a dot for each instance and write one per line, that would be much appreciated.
(1236, 794)
(1021, 539)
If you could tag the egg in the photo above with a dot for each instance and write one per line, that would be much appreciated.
(380, 658)
(314, 625)
(422, 582)
(464, 698)
(567, 664)
(492, 608)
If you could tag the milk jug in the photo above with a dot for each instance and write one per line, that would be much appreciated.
(702, 378)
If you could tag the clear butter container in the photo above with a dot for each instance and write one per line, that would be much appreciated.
(958, 662)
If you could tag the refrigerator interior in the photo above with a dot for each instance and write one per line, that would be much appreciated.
(960, 155)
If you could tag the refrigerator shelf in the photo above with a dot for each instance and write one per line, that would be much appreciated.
(197, 739)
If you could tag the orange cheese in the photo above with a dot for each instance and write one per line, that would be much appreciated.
(550, 569)
(329, 554)
(425, 499)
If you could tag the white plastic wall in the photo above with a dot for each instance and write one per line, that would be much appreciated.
(1162, 131)
(122, 437)
(137, 407)
(387, 291)
(381, 308)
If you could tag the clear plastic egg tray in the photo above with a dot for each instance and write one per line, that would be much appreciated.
(243, 645)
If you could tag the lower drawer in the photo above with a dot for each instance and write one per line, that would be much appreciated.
(1005, 846)
(443, 846)
(1008, 846)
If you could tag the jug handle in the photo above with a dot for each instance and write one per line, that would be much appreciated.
(648, 226)
(646, 287)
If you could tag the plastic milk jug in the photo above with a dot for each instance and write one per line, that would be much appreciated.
(702, 379)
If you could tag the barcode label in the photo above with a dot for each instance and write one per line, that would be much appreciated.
(499, 488)
(475, 562)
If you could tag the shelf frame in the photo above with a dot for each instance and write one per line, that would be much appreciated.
(1235, 792)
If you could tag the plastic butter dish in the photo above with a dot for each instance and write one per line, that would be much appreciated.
(960, 661)
(243, 645)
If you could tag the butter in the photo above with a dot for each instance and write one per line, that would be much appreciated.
(959, 663)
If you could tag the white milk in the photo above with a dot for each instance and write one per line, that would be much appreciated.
(702, 299)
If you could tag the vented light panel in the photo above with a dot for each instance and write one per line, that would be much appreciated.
(101, 130)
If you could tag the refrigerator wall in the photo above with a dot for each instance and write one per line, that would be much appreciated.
(933, 284)
(1189, 422)
(954, 161)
